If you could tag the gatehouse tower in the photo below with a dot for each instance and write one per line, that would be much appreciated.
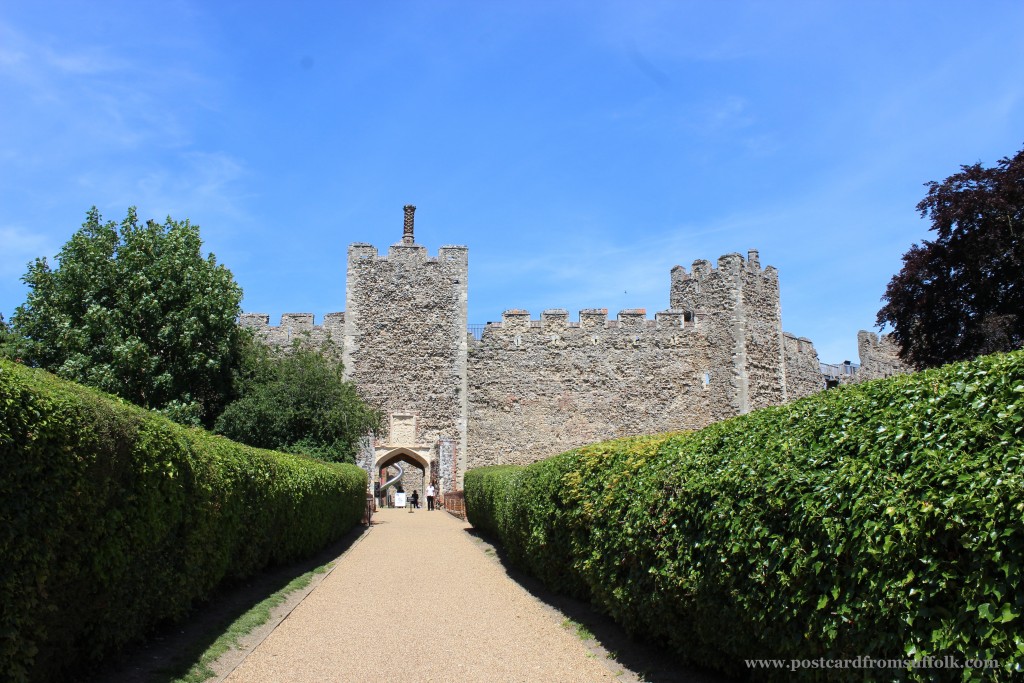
(405, 348)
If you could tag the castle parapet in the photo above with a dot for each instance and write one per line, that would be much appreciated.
(408, 253)
(593, 318)
(515, 319)
(361, 250)
(556, 321)
(451, 253)
(254, 321)
(297, 322)
(297, 327)
(879, 357)
(732, 264)
(632, 318)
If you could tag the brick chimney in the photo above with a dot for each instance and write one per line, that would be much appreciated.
(407, 237)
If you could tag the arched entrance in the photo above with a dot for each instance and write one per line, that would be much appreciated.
(417, 474)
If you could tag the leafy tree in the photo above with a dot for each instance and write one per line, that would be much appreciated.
(7, 344)
(962, 295)
(297, 402)
(135, 310)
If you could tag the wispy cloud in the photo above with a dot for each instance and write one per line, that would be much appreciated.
(585, 270)
(19, 247)
(111, 128)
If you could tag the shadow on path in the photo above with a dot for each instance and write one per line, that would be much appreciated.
(646, 661)
(172, 648)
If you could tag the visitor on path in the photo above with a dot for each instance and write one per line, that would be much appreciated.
(430, 497)
(415, 499)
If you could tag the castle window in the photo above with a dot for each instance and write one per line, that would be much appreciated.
(518, 340)
(707, 379)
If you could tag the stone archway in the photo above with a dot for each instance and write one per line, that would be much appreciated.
(413, 480)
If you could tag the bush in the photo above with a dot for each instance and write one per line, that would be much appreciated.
(113, 518)
(297, 402)
(883, 519)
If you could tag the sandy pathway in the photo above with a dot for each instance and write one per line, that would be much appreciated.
(460, 618)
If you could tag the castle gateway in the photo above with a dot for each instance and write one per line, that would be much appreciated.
(529, 388)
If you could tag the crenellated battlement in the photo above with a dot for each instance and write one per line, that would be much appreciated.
(879, 357)
(298, 328)
(453, 255)
(531, 385)
(554, 325)
(297, 322)
(733, 263)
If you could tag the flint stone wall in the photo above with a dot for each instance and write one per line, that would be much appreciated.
(405, 334)
(879, 357)
(803, 371)
(532, 388)
(537, 388)
(299, 329)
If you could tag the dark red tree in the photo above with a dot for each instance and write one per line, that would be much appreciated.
(962, 295)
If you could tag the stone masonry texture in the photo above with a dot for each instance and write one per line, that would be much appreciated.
(532, 387)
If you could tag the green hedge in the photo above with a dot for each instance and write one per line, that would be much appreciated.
(883, 520)
(113, 518)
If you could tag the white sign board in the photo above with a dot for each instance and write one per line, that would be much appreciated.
(399, 500)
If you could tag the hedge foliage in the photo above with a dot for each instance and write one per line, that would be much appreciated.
(883, 520)
(113, 518)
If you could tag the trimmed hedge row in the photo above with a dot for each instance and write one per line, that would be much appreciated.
(113, 518)
(883, 520)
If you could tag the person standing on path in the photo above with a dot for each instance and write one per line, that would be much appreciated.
(415, 499)
(430, 497)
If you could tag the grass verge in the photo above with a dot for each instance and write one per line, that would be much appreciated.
(258, 615)
(581, 631)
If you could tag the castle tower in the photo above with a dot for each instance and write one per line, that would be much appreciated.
(405, 348)
(737, 307)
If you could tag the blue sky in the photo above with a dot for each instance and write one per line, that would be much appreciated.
(580, 149)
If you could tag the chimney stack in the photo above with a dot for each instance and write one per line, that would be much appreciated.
(407, 237)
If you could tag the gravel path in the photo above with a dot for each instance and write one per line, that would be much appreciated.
(459, 618)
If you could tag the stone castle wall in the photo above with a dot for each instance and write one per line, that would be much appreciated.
(299, 329)
(740, 302)
(529, 389)
(803, 371)
(879, 357)
(540, 387)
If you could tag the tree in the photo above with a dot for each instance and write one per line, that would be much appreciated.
(297, 402)
(962, 295)
(135, 310)
(7, 340)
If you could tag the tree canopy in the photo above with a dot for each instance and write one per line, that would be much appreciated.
(962, 295)
(297, 402)
(7, 346)
(137, 311)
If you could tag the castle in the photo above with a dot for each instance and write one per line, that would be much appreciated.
(530, 388)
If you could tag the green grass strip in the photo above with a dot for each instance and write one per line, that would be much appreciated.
(258, 615)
